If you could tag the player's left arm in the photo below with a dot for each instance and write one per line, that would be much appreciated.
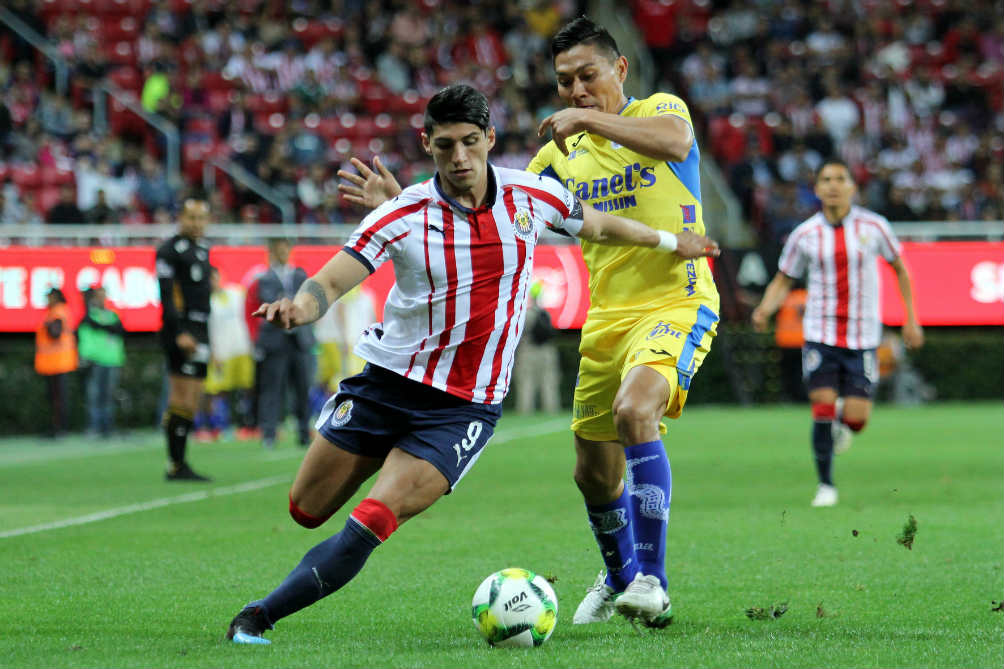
(662, 137)
(913, 334)
(611, 230)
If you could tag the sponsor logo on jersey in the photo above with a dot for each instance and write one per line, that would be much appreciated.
(523, 224)
(634, 177)
(342, 414)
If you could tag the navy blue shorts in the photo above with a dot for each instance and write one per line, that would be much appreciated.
(378, 410)
(851, 372)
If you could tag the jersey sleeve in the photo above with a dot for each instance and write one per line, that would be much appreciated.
(793, 261)
(562, 213)
(381, 233)
(167, 266)
(664, 104)
(888, 243)
(542, 163)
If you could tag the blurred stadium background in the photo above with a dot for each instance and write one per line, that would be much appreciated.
(114, 111)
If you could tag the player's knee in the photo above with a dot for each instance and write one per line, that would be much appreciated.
(824, 411)
(856, 425)
(303, 518)
(632, 421)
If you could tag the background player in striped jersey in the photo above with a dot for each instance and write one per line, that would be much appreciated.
(651, 318)
(839, 247)
(439, 364)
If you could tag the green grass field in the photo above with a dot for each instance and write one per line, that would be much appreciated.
(106, 565)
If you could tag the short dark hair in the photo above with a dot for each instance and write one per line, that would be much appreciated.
(835, 161)
(583, 31)
(458, 103)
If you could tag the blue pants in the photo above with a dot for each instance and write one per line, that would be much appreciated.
(102, 382)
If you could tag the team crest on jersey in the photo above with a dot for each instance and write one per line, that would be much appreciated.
(342, 414)
(523, 223)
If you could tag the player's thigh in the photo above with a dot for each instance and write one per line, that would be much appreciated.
(671, 344)
(329, 476)
(184, 391)
(823, 395)
(408, 485)
(601, 362)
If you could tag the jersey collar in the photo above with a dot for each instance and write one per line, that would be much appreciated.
(626, 105)
(491, 193)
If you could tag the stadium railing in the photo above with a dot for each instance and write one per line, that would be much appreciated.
(29, 35)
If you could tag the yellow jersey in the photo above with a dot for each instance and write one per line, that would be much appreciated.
(626, 281)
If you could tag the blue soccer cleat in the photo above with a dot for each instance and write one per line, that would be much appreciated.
(248, 626)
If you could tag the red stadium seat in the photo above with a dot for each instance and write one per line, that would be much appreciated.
(215, 81)
(27, 177)
(202, 126)
(269, 103)
(269, 123)
(121, 53)
(46, 198)
(53, 176)
(218, 100)
(127, 78)
(124, 29)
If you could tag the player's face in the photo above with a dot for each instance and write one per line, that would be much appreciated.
(194, 218)
(460, 151)
(834, 187)
(588, 78)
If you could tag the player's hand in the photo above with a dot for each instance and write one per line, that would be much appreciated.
(371, 187)
(913, 335)
(281, 313)
(563, 124)
(187, 343)
(760, 319)
(692, 245)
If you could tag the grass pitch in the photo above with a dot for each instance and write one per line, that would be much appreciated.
(106, 565)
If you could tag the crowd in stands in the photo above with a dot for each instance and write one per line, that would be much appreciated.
(909, 93)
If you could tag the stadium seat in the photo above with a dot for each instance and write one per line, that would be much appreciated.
(121, 53)
(124, 29)
(53, 176)
(202, 126)
(269, 103)
(215, 81)
(46, 198)
(27, 177)
(127, 78)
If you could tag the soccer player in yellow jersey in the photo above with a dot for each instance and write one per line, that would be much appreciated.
(651, 317)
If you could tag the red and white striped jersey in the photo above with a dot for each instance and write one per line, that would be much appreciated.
(456, 311)
(842, 308)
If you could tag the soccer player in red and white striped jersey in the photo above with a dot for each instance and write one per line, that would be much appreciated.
(439, 363)
(839, 248)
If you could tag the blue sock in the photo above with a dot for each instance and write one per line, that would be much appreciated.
(650, 483)
(325, 568)
(219, 419)
(611, 525)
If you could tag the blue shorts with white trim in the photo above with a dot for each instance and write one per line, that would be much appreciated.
(378, 410)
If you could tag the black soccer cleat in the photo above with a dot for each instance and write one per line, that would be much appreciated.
(249, 625)
(183, 472)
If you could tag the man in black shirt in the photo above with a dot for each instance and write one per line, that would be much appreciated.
(183, 272)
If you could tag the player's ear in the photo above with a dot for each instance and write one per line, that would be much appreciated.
(490, 137)
(426, 143)
(621, 68)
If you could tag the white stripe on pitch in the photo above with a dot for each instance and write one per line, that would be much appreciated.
(547, 427)
(147, 506)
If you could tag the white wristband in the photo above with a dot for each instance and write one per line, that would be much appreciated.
(667, 241)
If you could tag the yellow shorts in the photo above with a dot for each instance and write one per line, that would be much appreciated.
(331, 368)
(234, 374)
(673, 342)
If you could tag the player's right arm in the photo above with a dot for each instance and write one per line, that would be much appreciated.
(773, 297)
(338, 276)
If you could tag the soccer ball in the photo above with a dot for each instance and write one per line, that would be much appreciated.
(515, 607)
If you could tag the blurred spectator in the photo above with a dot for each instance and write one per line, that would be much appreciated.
(837, 111)
(536, 373)
(101, 213)
(153, 189)
(56, 357)
(101, 340)
(156, 88)
(65, 210)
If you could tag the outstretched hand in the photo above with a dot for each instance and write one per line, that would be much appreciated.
(372, 187)
(281, 313)
(692, 245)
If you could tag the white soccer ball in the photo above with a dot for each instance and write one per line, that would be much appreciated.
(515, 607)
